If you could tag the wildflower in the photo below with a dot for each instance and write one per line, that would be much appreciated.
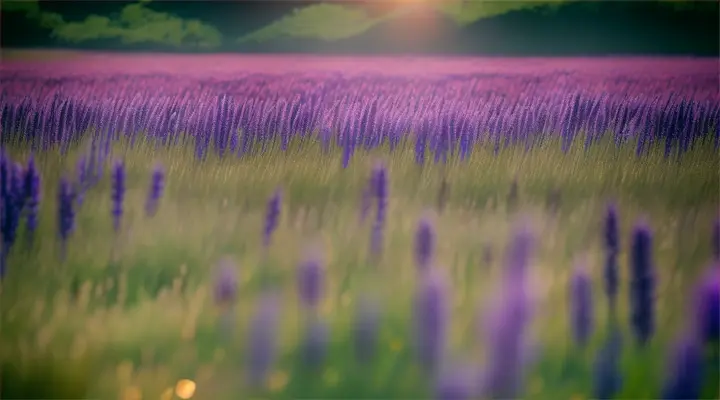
(607, 377)
(611, 242)
(314, 345)
(155, 191)
(684, 375)
(262, 338)
(642, 284)
(432, 317)
(424, 244)
(581, 310)
(310, 281)
(118, 193)
(66, 212)
(272, 216)
(365, 328)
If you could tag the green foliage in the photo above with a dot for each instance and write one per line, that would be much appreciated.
(141, 302)
(139, 24)
(31, 10)
(320, 21)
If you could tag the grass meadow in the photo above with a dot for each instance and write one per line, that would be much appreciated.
(128, 315)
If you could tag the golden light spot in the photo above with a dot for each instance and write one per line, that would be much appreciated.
(396, 345)
(185, 388)
(167, 394)
(132, 393)
(278, 381)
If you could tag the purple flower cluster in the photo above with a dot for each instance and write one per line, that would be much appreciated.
(508, 323)
(642, 284)
(424, 244)
(432, 319)
(380, 194)
(157, 182)
(118, 193)
(611, 242)
(581, 305)
(272, 217)
(66, 213)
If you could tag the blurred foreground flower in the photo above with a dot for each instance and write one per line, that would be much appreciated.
(261, 347)
(185, 388)
(642, 284)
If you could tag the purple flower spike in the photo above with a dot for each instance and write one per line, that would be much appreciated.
(66, 213)
(310, 278)
(424, 244)
(508, 324)
(581, 306)
(155, 191)
(315, 344)
(611, 242)
(706, 307)
(607, 377)
(685, 371)
(366, 328)
(379, 182)
(455, 383)
(118, 193)
(272, 217)
(226, 283)
(32, 193)
(642, 284)
(432, 317)
(262, 338)
(519, 252)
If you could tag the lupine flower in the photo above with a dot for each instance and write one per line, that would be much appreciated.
(685, 370)
(315, 343)
(32, 192)
(365, 328)
(118, 193)
(432, 317)
(272, 217)
(611, 242)
(226, 283)
(66, 213)
(706, 306)
(424, 244)
(310, 277)
(642, 284)
(607, 377)
(262, 337)
(12, 200)
(581, 307)
(508, 323)
(519, 253)
(155, 191)
(380, 183)
(455, 383)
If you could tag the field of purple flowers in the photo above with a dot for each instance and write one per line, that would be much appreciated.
(550, 234)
